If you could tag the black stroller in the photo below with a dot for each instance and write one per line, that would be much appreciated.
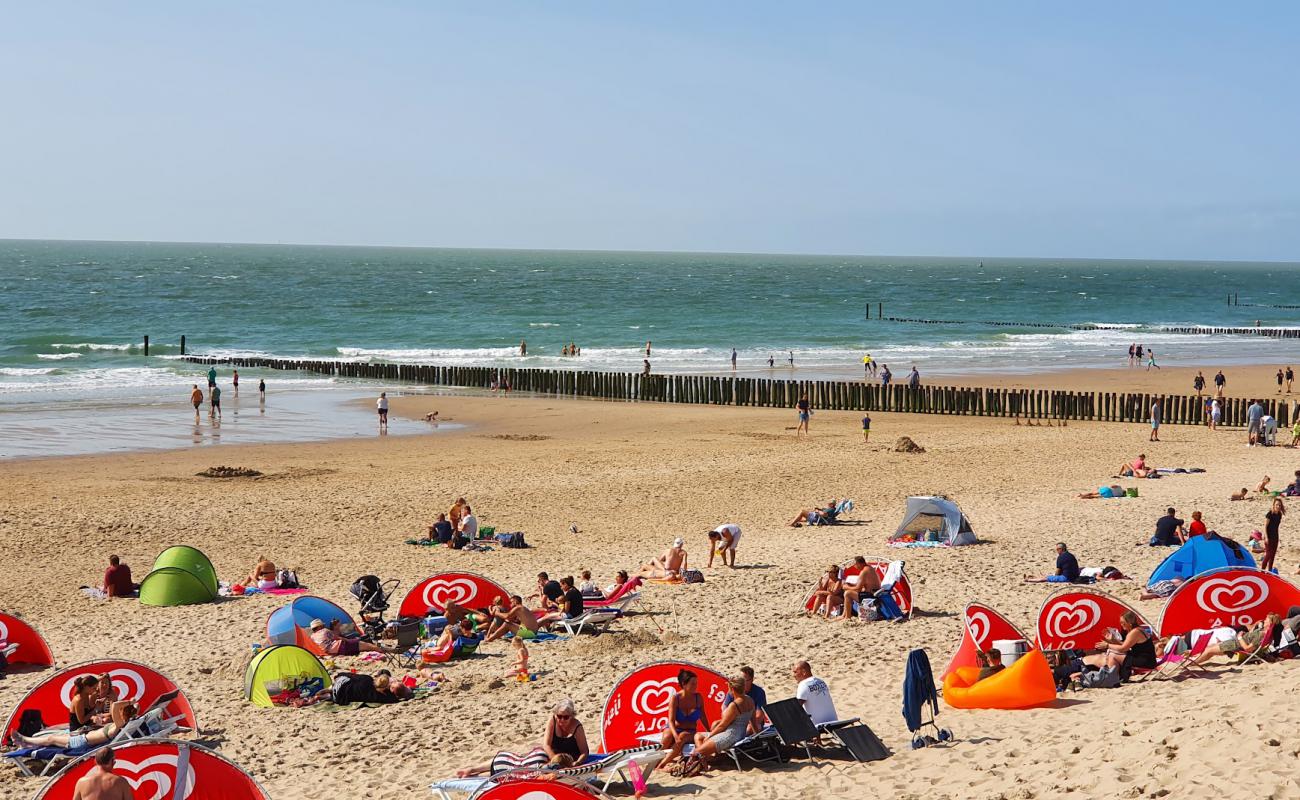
(374, 596)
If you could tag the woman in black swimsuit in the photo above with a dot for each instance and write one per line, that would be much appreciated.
(1272, 524)
(564, 734)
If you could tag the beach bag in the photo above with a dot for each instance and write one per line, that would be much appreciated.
(693, 576)
(287, 579)
(487, 532)
(868, 612)
(31, 723)
(513, 541)
(1104, 678)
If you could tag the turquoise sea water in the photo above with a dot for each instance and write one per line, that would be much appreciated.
(73, 314)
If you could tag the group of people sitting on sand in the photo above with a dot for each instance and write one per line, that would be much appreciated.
(854, 593)
(455, 528)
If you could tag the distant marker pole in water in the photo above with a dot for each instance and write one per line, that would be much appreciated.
(182, 344)
(146, 344)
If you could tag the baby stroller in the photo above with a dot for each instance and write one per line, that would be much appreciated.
(918, 692)
(373, 595)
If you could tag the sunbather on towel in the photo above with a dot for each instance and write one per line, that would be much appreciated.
(829, 594)
(859, 588)
(455, 612)
(1161, 589)
(723, 735)
(671, 564)
(1137, 469)
(1104, 492)
(123, 712)
(334, 643)
(518, 619)
(264, 575)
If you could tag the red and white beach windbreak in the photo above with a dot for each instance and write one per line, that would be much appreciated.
(32, 648)
(135, 682)
(163, 770)
(463, 588)
(1078, 618)
(981, 627)
(1226, 598)
(535, 785)
(638, 705)
(902, 592)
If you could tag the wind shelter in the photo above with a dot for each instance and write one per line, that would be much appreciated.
(32, 648)
(280, 666)
(291, 622)
(936, 515)
(181, 576)
(163, 770)
(140, 684)
(1199, 555)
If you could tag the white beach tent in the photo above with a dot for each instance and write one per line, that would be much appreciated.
(933, 513)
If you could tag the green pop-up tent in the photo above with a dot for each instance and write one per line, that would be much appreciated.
(181, 576)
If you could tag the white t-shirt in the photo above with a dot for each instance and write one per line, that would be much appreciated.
(731, 528)
(382, 404)
(816, 697)
(469, 526)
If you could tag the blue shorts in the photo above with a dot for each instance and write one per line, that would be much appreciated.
(1056, 579)
(803, 416)
(1155, 425)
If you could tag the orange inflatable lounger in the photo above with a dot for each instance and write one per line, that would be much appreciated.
(1026, 683)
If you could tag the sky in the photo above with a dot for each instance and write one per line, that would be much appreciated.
(1103, 130)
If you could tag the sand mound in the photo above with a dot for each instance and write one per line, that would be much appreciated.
(229, 472)
(906, 445)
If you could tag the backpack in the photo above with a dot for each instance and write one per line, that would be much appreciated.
(30, 723)
(693, 576)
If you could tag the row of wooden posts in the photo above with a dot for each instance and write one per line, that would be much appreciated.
(846, 395)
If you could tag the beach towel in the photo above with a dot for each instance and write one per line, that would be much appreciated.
(299, 590)
(1179, 470)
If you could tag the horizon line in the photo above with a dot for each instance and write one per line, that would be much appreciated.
(644, 252)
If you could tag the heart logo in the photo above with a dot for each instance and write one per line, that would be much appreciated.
(128, 683)
(978, 623)
(441, 592)
(651, 698)
(156, 771)
(1070, 619)
(537, 794)
(1231, 595)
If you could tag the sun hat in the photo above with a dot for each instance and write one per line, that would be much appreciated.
(317, 624)
(678, 542)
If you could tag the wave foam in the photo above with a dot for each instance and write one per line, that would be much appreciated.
(57, 356)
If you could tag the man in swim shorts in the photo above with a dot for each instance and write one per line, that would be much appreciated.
(866, 427)
(669, 565)
(519, 620)
(196, 397)
(215, 394)
(723, 540)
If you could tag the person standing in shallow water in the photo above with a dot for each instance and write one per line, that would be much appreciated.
(382, 406)
(235, 380)
(261, 390)
(196, 397)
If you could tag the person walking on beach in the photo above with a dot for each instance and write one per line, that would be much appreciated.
(1279, 381)
(791, 359)
(733, 360)
(1132, 348)
(771, 361)
(645, 369)
(914, 379)
(382, 405)
(214, 395)
(866, 427)
(885, 375)
(805, 411)
(1151, 360)
(1155, 421)
(1139, 354)
(1198, 383)
(212, 377)
(1289, 376)
(196, 397)
(1216, 414)
(1219, 380)
(234, 378)
(1272, 524)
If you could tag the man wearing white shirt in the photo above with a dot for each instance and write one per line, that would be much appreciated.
(723, 540)
(469, 524)
(814, 694)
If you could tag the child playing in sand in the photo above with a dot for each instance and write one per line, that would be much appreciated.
(520, 669)
(1263, 485)
(1242, 495)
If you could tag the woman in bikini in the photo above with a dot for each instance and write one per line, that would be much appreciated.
(123, 712)
(830, 592)
(264, 575)
(685, 716)
(564, 733)
(82, 711)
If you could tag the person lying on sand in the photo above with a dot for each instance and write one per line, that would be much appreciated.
(1242, 495)
(670, 565)
(1137, 469)
(1161, 589)
(331, 639)
(1106, 492)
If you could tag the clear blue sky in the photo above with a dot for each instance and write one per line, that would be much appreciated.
(1151, 130)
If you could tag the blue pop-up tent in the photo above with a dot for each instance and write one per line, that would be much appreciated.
(1201, 554)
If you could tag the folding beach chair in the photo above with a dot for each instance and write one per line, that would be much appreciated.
(408, 639)
(598, 619)
(1173, 663)
(1262, 652)
(793, 726)
(861, 742)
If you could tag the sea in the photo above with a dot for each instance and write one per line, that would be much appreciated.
(74, 314)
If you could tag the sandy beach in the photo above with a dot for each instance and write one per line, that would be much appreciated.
(631, 477)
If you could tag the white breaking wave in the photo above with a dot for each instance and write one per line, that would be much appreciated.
(90, 346)
(57, 356)
(19, 372)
